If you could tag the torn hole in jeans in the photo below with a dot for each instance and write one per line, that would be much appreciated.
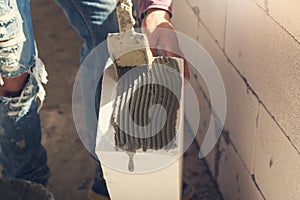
(18, 107)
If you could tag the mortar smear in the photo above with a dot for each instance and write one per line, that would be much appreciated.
(140, 91)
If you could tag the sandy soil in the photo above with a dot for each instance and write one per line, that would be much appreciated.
(72, 168)
(59, 46)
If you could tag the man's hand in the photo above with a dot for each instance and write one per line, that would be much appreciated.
(154, 25)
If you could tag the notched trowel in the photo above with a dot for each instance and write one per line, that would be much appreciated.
(127, 48)
(137, 121)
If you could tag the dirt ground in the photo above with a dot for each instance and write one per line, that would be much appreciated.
(72, 168)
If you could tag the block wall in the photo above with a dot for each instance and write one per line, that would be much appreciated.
(256, 46)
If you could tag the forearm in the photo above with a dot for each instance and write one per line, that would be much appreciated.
(145, 5)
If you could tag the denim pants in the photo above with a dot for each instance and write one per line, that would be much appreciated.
(21, 153)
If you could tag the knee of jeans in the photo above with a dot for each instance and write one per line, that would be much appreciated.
(11, 47)
(18, 107)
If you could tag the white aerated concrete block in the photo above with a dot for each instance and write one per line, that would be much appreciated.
(184, 19)
(277, 163)
(156, 175)
(233, 179)
(268, 57)
(263, 4)
(162, 184)
(242, 106)
(286, 13)
(213, 15)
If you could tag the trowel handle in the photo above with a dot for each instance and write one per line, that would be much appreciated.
(124, 13)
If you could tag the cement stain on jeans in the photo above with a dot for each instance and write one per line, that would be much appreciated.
(140, 92)
(21, 144)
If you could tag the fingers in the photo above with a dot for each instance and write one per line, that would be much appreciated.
(162, 39)
(164, 42)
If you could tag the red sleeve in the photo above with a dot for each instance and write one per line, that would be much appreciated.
(161, 4)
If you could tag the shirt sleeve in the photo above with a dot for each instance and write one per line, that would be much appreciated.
(145, 5)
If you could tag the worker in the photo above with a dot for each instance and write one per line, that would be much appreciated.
(22, 75)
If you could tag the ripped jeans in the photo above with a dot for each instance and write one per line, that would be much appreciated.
(21, 153)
